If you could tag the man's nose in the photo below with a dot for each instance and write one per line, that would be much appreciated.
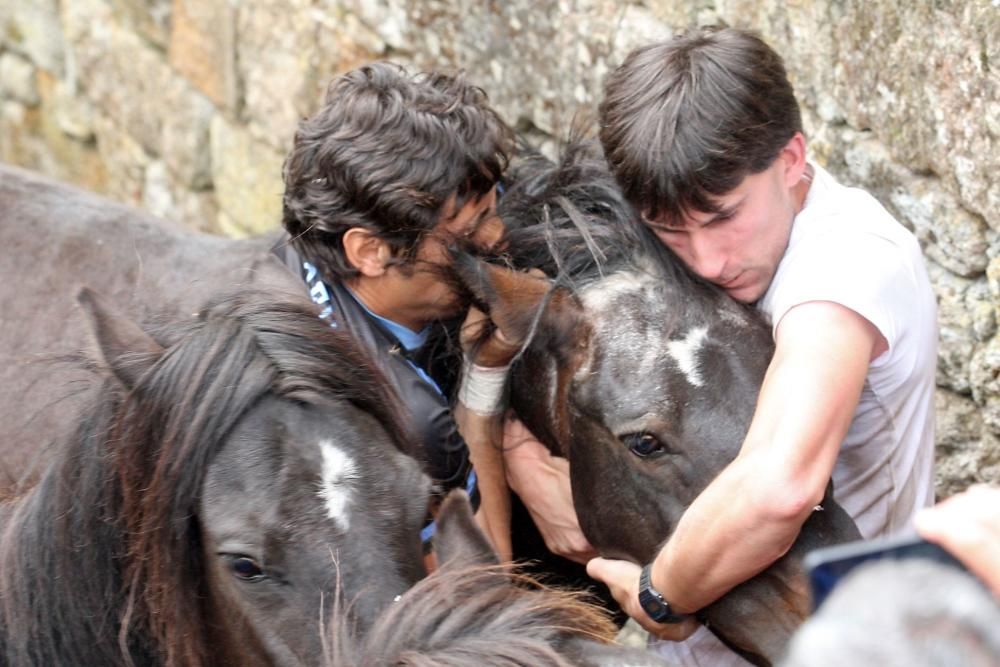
(706, 258)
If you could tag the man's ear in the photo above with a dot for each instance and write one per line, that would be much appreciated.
(793, 158)
(366, 252)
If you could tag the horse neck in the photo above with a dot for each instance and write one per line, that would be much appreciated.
(60, 550)
(66, 565)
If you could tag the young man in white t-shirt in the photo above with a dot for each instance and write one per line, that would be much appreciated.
(703, 133)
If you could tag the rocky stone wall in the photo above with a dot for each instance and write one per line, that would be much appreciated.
(186, 107)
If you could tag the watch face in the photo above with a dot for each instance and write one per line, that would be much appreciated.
(652, 601)
(652, 605)
(651, 608)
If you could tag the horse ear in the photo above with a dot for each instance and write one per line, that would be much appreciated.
(458, 538)
(514, 298)
(126, 349)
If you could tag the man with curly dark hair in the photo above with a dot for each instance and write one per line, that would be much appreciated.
(391, 172)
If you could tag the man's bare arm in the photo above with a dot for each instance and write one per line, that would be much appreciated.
(542, 482)
(483, 434)
(751, 513)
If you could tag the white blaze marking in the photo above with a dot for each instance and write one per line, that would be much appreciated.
(603, 293)
(685, 353)
(339, 472)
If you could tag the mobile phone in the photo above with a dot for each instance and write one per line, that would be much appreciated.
(828, 565)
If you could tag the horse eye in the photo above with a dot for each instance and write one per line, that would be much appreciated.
(643, 445)
(246, 568)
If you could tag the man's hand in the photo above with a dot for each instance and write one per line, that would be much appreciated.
(542, 482)
(622, 577)
(480, 337)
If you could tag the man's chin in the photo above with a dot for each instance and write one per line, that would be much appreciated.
(450, 309)
(746, 294)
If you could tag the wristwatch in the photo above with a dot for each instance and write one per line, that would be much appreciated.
(653, 603)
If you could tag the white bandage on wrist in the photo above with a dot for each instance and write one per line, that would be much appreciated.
(481, 390)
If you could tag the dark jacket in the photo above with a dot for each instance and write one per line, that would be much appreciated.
(446, 453)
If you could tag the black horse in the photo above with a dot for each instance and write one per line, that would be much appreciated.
(236, 474)
(644, 376)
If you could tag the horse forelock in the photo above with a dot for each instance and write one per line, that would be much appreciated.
(241, 348)
(471, 615)
(316, 363)
(572, 221)
(130, 478)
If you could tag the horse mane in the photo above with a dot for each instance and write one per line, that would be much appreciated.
(571, 220)
(472, 615)
(102, 563)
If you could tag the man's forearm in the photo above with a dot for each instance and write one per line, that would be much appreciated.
(728, 535)
(542, 481)
(482, 435)
(750, 515)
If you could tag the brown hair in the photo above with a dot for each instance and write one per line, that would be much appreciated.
(686, 120)
(385, 152)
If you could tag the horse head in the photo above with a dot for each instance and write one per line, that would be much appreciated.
(253, 470)
(642, 375)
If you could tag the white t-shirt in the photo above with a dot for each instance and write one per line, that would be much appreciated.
(846, 248)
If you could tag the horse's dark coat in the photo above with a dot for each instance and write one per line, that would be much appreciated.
(56, 238)
(213, 499)
(644, 376)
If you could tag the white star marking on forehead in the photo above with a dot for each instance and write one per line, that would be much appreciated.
(685, 353)
(603, 293)
(620, 326)
(338, 474)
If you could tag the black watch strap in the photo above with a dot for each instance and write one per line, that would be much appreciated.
(653, 603)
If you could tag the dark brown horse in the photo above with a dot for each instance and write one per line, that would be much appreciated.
(236, 474)
(642, 375)
(471, 611)
(56, 238)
